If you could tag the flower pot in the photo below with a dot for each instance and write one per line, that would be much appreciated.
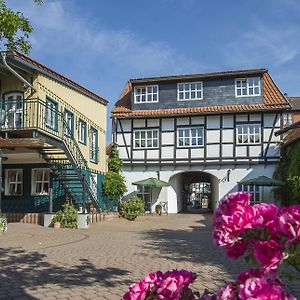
(56, 225)
(158, 211)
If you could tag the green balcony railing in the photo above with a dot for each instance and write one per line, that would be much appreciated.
(35, 114)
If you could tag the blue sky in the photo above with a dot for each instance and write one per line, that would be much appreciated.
(101, 44)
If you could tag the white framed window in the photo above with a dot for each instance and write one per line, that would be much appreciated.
(144, 94)
(248, 134)
(69, 119)
(146, 138)
(13, 182)
(13, 110)
(189, 91)
(94, 145)
(40, 181)
(190, 137)
(245, 87)
(287, 119)
(255, 190)
(51, 114)
(82, 131)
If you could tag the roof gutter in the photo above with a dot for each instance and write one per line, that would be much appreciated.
(15, 72)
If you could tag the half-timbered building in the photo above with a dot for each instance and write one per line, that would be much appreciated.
(201, 133)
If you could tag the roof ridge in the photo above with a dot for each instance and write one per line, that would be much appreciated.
(62, 77)
(261, 70)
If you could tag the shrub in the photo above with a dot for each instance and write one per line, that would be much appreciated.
(132, 208)
(3, 223)
(67, 217)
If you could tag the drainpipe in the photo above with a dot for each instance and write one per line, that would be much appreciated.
(16, 73)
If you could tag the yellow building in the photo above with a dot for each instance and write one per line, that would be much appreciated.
(53, 135)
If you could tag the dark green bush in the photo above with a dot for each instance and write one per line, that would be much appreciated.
(132, 208)
(67, 217)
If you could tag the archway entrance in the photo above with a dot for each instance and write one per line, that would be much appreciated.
(197, 192)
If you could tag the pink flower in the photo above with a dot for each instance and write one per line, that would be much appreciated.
(289, 223)
(144, 287)
(236, 250)
(227, 293)
(266, 213)
(268, 253)
(174, 285)
(253, 284)
(233, 200)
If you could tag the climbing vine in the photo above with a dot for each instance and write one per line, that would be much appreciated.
(288, 170)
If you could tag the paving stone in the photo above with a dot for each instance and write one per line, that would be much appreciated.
(102, 261)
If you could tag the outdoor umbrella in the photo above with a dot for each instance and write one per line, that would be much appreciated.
(151, 183)
(262, 181)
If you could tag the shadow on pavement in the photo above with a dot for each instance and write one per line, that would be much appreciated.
(21, 269)
(193, 244)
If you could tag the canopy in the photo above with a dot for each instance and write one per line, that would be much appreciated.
(151, 182)
(262, 181)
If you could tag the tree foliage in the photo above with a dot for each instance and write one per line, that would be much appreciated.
(114, 183)
(15, 29)
(115, 163)
(288, 171)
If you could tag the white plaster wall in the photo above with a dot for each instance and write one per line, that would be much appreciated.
(228, 135)
(213, 122)
(228, 121)
(167, 152)
(172, 194)
(242, 118)
(167, 124)
(152, 153)
(138, 154)
(139, 123)
(269, 120)
(213, 151)
(213, 136)
(182, 121)
(153, 123)
(255, 117)
(197, 153)
(167, 138)
(197, 120)
(126, 125)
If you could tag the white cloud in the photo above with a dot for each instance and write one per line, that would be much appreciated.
(264, 44)
(59, 31)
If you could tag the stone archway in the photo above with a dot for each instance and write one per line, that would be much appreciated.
(196, 191)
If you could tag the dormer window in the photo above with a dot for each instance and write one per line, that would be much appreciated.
(245, 87)
(189, 91)
(146, 94)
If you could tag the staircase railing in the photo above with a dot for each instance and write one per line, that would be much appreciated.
(44, 117)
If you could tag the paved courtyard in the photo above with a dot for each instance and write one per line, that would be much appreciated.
(100, 262)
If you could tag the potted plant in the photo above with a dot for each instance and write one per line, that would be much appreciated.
(3, 223)
(57, 219)
(158, 209)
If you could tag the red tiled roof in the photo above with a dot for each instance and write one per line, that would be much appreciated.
(61, 77)
(273, 99)
(293, 136)
(295, 102)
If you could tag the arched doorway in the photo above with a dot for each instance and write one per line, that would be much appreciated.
(197, 192)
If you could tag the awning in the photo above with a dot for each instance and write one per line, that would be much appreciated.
(151, 182)
(262, 181)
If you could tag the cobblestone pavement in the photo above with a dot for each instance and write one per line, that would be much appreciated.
(100, 262)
